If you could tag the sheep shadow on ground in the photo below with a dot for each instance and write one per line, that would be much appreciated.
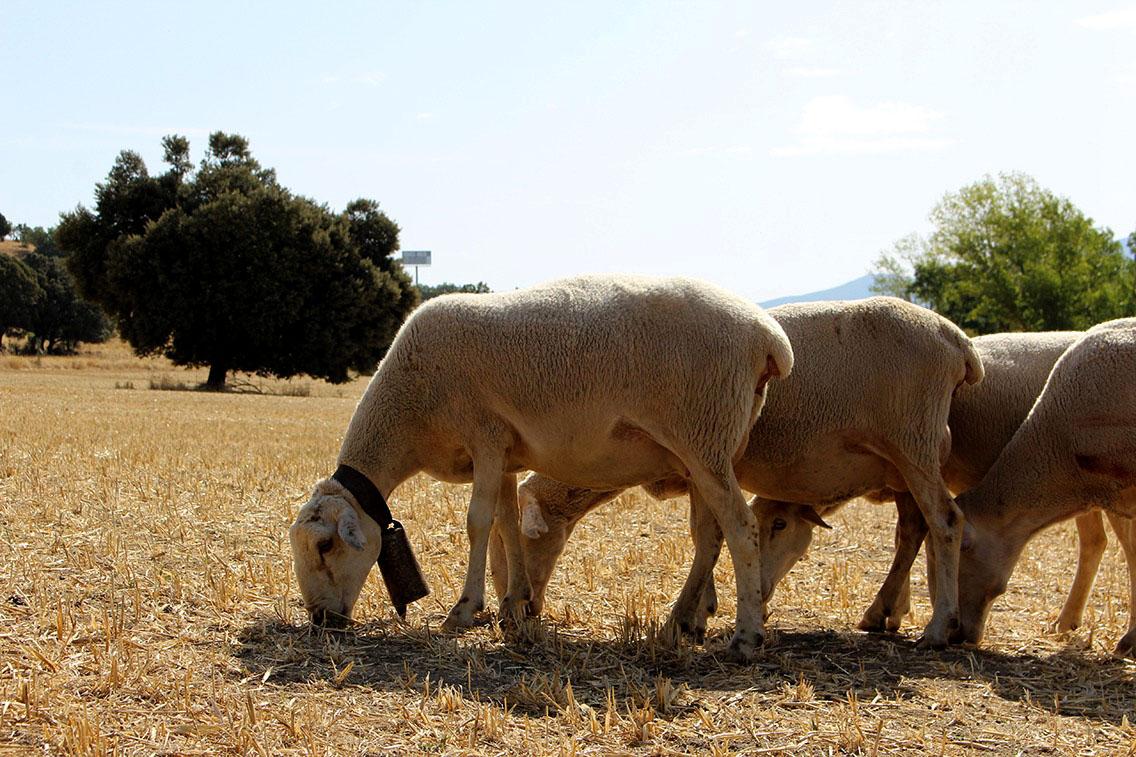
(533, 675)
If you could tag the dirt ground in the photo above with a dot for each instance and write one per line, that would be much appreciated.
(147, 606)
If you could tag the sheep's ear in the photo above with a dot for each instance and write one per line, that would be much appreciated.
(812, 516)
(968, 535)
(349, 529)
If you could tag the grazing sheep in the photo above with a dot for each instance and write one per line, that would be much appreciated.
(600, 382)
(864, 411)
(1076, 450)
(983, 419)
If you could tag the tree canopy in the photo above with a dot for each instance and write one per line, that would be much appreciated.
(1006, 254)
(222, 266)
(5, 226)
(428, 292)
(60, 317)
(37, 296)
(19, 292)
(41, 240)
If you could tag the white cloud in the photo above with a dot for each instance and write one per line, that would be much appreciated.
(790, 48)
(364, 78)
(1121, 18)
(1126, 76)
(836, 125)
(718, 151)
(813, 72)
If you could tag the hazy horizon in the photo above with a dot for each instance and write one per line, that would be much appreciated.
(773, 150)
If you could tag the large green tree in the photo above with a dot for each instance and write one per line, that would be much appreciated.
(19, 291)
(1006, 254)
(5, 226)
(222, 266)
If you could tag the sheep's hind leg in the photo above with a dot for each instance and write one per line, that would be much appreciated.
(893, 601)
(487, 478)
(519, 592)
(945, 524)
(726, 502)
(498, 563)
(698, 598)
(1091, 541)
(1125, 530)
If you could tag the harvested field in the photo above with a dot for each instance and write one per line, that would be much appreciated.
(147, 606)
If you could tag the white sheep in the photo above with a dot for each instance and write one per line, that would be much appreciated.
(983, 419)
(864, 411)
(1075, 450)
(600, 382)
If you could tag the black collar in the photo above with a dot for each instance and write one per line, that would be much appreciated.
(366, 494)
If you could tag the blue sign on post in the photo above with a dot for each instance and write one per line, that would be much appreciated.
(416, 258)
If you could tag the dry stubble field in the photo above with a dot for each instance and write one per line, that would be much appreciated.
(147, 606)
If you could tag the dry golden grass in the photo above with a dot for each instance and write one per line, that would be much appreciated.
(12, 247)
(147, 606)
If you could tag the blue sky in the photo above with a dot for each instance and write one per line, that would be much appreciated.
(772, 147)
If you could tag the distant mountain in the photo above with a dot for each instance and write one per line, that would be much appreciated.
(855, 289)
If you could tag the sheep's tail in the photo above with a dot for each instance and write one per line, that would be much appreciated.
(777, 356)
(958, 339)
(974, 368)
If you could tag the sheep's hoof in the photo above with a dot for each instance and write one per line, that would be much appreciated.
(871, 622)
(1065, 625)
(1126, 646)
(692, 630)
(743, 646)
(930, 640)
(463, 615)
(939, 635)
(513, 611)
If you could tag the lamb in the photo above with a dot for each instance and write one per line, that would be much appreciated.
(1076, 450)
(864, 411)
(600, 382)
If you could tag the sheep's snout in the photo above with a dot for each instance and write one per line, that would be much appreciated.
(323, 617)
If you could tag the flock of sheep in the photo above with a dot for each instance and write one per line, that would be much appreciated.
(600, 384)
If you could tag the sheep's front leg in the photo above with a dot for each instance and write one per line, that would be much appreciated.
(893, 600)
(1091, 541)
(1125, 530)
(479, 522)
(541, 555)
(698, 598)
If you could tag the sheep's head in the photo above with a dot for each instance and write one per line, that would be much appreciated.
(986, 561)
(545, 502)
(786, 530)
(333, 548)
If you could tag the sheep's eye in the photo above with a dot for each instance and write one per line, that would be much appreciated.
(779, 524)
(324, 546)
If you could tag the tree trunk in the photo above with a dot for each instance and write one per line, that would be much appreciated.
(216, 380)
